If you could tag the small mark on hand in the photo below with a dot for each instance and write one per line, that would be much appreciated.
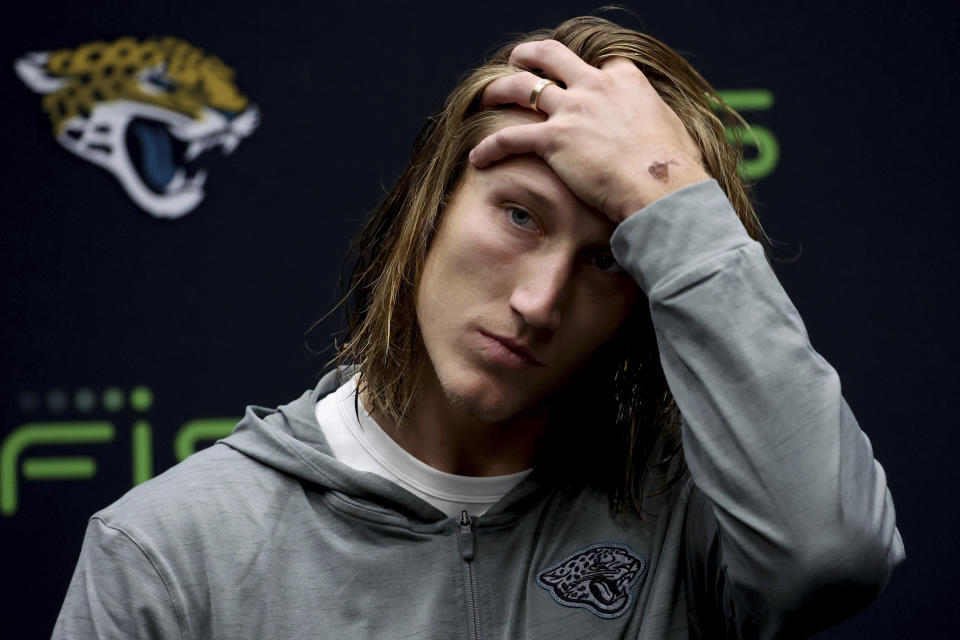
(660, 170)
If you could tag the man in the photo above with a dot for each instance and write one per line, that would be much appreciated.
(578, 403)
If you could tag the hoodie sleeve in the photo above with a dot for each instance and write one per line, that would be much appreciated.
(790, 527)
(116, 592)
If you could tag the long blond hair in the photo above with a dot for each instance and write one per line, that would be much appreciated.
(629, 395)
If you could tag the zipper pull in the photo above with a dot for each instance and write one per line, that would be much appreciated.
(466, 536)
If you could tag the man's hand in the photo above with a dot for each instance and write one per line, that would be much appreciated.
(609, 136)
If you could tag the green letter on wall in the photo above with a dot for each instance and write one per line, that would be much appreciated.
(46, 468)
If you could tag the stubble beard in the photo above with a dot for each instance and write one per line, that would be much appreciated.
(475, 406)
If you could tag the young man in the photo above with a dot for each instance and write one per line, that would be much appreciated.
(577, 403)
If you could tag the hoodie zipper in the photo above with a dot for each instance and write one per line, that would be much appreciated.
(467, 553)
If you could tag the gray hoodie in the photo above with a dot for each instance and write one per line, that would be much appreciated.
(783, 523)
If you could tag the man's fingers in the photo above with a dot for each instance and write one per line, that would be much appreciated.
(554, 59)
(517, 88)
(625, 69)
(516, 139)
(619, 63)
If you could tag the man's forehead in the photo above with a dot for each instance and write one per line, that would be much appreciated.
(529, 176)
(528, 169)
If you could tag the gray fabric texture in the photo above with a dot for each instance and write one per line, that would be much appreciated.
(783, 523)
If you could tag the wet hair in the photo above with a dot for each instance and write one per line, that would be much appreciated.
(620, 424)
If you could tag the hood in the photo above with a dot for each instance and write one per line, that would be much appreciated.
(290, 440)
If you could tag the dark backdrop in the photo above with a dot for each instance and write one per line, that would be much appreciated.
(209, 312)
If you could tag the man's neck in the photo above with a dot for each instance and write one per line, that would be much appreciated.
(442, 435)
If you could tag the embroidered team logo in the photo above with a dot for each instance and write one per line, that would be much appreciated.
(143, 110)
(598, 578)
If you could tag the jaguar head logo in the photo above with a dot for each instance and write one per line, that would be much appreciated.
(599, 578)
(145, 111)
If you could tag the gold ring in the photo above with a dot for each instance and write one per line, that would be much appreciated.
(538, 88)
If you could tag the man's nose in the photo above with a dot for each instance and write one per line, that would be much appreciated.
(542, 291)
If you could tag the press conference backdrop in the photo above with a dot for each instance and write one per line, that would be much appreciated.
(160, 273)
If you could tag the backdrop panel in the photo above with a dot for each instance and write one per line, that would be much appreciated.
(157, 276)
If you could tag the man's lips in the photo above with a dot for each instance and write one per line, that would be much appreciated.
(514, 347)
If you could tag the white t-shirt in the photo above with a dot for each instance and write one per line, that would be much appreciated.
(363, 445)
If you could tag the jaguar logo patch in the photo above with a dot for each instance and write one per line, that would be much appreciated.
(598, 578)
(144, 110)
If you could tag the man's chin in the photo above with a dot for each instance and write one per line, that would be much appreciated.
(484, 402)
(481, 407)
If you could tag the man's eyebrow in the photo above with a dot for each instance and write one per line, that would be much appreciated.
(541, 201)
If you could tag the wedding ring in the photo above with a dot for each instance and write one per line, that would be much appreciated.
(537, 90)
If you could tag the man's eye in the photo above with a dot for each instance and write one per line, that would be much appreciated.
(606, 263)
(520, 217)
